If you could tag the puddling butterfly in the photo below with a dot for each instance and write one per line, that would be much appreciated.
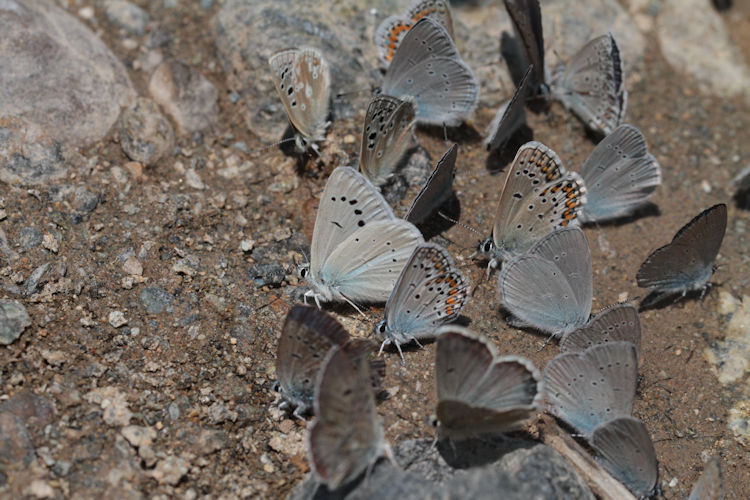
(526, 17)
(687, 262)
(303, 81)
(620, 175)
(588, 388)
(619, 322)
(509, 117)
(592, 85)
(428, 68)
(626, 451)
(436, 190)
(539, 196)
(386, 136)
(358, 247)
(430, 291)
(392, 30)
(550, 287)
(306, 337)
(479, 392)
(346, 436)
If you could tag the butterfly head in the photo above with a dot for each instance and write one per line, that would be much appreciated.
(381, 330)
(303, 271)
(486, 247)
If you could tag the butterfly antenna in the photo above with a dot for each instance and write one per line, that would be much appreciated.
(546, 342)
(352, 92)
(459, 223)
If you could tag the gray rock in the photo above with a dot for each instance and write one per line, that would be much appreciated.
(269, 273)
(28, 155)
(478, 469)
(30, 237)
(128, 16)
(15, 443)
(31, 284)
(569, 24)
(188, 96)
(145, 134)
(155, 300)
(287, 23)
(716, 62)
(57, 74)
(36, 411)
(13, 320)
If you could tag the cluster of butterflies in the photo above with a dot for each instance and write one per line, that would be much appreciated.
(362, 253)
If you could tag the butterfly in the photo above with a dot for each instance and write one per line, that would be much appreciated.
(509, 117)
(592, 85)
(358, 247)
(587, 388)
(436, 190)
(306, 337)
(526, 17)
(620, 175)
(687, 262)
(346, 436)
(479, 392)
(428, 68)
(538, 197)
(386, 136)
(391, 31)
(626, 451)
(303, 80)
(619, 322)
(430, 291)
(550, 287)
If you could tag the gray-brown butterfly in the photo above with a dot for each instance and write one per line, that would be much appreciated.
(303, 81)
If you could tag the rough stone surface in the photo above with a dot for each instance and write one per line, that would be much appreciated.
(473, 469)
(287, 23)
(715, 63)
(13, 320)
(155, 300)
(35, 411)
(56, 74)
(188, 96)
(15, 442)
(127, 16)
(145, 134)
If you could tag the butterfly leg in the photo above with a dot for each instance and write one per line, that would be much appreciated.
(546, 342)
(400, 352)
(382, 346)
(353, 305)
(299, 411)
(417, 342)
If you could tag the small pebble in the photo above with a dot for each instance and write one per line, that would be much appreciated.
(117, 319)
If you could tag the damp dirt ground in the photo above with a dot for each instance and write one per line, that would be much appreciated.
(215, 351)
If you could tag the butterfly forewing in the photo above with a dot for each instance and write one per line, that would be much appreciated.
(619, 322)
(538, 197)
(626, 450)
(428, 68)
(550, 287)
(346, 436)
(687, 262)
(429, 291)
(386, 137)
(526, 17)
(592, 85)
(477, 391)
(710, 484)
(436, 190)
(306, 337)
(367, 264)
(587, 388)
(620, 175)
(509, 117)
(347, 204)
(392, 30)
(303, 80)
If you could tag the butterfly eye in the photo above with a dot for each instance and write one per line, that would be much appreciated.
(276, 386)
(487, 246)
(381, 327)
(434, 421)
(302, 272)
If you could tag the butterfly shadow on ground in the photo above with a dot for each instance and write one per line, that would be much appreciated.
(475, 452)
(649, 209)
(442, 218)
(463, 134)
(661, 300)
(499, 158)
(742, 199)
